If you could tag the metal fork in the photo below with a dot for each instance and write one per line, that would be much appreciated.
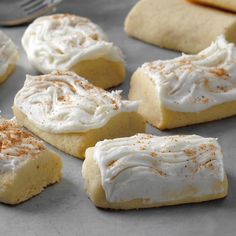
(15, 12)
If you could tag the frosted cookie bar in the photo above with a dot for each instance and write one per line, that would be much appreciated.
(189, 89)
(70, 42)
(8, 56)
(26, 166)
(179, 24)
(67, 111)
(145, 171)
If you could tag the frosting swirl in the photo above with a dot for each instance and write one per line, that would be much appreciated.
(193, 83)
(16, 145)
(8, 53)
(60, 41)
(63, 102)
(159, 168)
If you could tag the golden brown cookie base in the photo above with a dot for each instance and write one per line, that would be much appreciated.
(8, 72)
(31, 178)
(101, 72)
(75, 144)
(179, 25)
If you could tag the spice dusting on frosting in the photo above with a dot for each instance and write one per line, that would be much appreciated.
(61, 41)
(220, 72)
(196, 82)
(62, 102)
(15, 142)
(190, 152)
(150, 167)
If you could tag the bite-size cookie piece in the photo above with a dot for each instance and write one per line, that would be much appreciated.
(70, 113)
(179, 25)
(222, 4)
(145, 171)
(70, 42)
(8, 56)
(189, 89)
(26, 166)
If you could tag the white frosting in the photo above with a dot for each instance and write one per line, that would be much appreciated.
(63, 102)
(16, 146)
(192, 83)
(159, 169)
(8, 53)
(60, 41)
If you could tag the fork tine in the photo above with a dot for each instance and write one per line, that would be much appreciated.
(25, 3)
(37, 9)
(28, 10)
(35, 5)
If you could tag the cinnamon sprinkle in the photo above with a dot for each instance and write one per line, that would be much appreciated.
(60, 83)
(220, 72)
(94, 37)
(14, 141)
(153, 154)
(116, 107)
(85, 86)
(190, 153)
(111, 164)
(201, 100)
(70, 17)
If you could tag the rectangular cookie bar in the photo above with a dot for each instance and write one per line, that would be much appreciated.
(145, 171)
(189, 89)
(74, 43)
(26, 166)
(179, 25)
(70, 113)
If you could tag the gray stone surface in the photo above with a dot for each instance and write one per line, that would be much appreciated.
(64, 209)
